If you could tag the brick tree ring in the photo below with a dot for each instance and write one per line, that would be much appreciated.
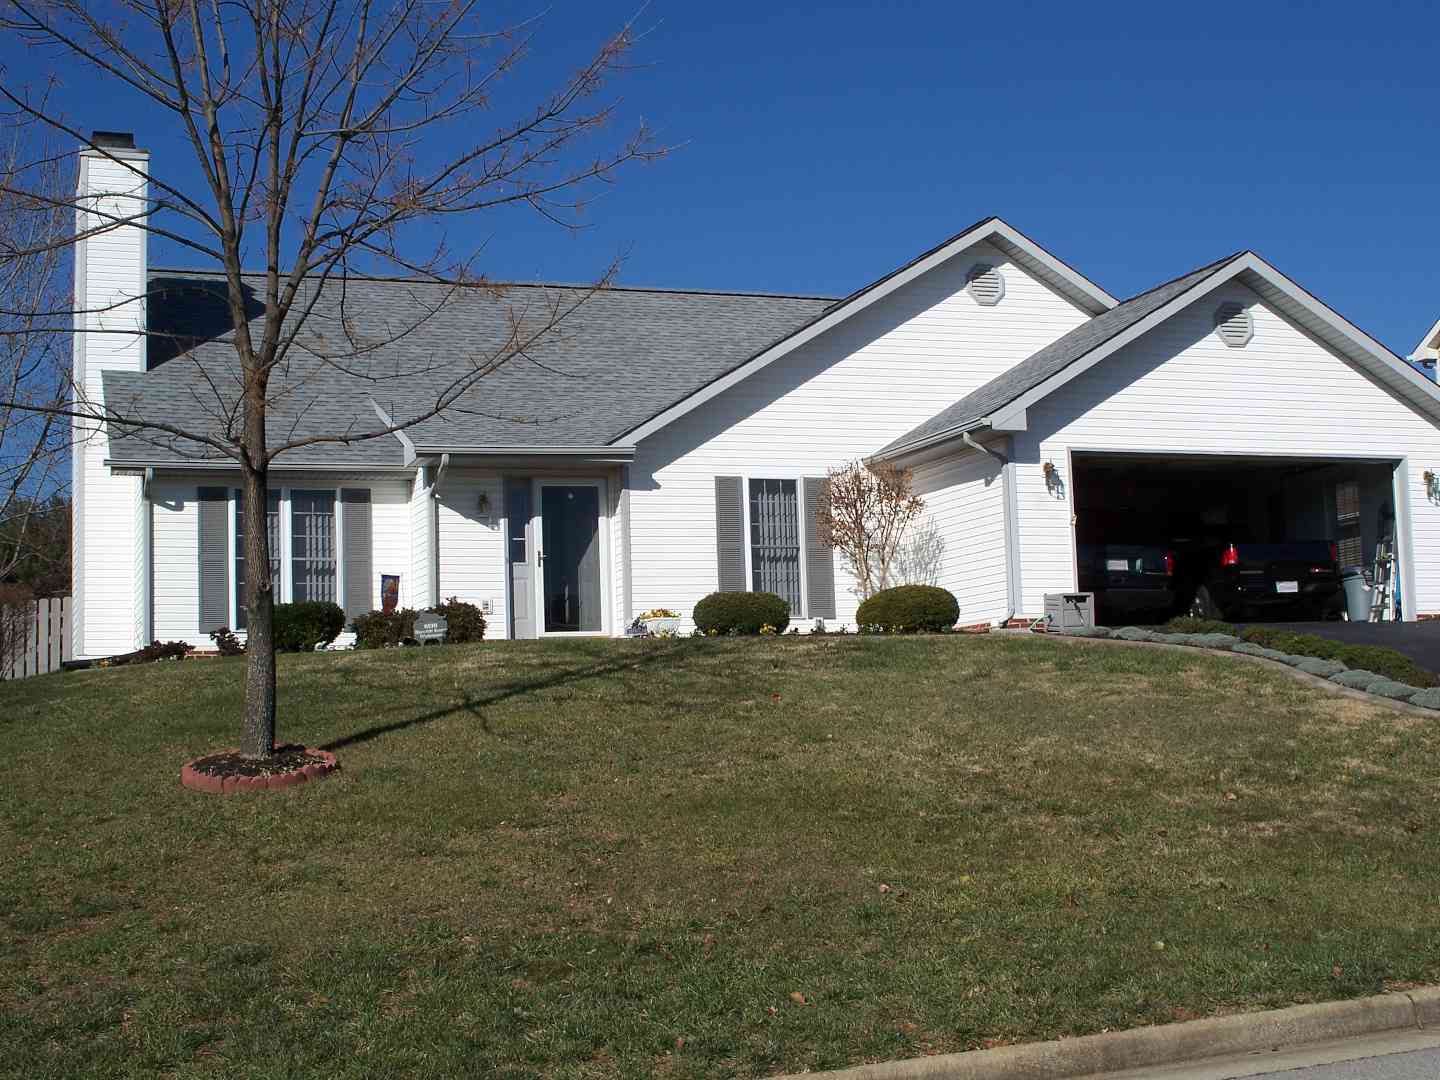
(227, 773)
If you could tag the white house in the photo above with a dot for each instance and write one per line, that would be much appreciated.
(664, 444)
(1427, 352)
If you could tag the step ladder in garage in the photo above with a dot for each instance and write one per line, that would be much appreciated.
(1383, 576)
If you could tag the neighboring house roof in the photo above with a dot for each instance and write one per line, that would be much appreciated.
(1429, 345)
(1000, 403)
(1016, 246)
(607, 364)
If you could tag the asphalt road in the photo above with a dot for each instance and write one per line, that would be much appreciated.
(1416, 1065)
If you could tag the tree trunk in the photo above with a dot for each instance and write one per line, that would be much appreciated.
(257, 739)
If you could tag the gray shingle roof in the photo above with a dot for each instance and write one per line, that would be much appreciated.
(612, 361)
(1010, 385)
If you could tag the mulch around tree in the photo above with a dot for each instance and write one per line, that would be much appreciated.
(229, 771)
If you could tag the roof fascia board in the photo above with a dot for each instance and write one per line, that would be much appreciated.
(229, 466)
(1383, 360)
(1011, 419)
(602, 452)
(1098, 298)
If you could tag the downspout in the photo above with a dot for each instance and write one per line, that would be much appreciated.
(435, 530)
(1008, 514)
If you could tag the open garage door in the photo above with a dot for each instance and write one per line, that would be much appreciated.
(1241, 538)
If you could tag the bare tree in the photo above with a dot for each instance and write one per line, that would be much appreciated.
(34, 294)
(864, 511)
(328, 133)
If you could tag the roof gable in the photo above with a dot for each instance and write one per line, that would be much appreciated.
(1001, 403)
(1019, 248)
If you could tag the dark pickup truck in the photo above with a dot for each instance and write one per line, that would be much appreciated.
(1230, 581)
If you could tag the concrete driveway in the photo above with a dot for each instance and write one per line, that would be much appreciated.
(1418, 640)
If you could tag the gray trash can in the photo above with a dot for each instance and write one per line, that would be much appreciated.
(1357, 594)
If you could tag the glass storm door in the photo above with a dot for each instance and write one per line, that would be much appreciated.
(570, 575)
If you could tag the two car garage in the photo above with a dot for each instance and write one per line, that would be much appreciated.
(1237, 537)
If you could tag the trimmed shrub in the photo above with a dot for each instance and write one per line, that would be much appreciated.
(910, 609)
(1376, 658)
(300, 627)
(463, 622)
(376, 629)
(226, 643)
(741, 613)
(1190, 624)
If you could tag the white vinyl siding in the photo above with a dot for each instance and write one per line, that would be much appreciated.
(473, 566)
(175, 532)
(110, 560)
(835, 399)
(1180, 389)
(965, 514)
(422, 545)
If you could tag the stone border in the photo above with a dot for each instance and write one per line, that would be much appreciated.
(1291, 664)
(1193, 1041)
(231, 785)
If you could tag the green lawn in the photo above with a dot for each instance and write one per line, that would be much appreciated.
(696, 858)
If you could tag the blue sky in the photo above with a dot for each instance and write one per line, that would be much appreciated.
(822, 146)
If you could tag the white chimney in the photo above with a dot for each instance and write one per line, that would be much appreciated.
(110, 540)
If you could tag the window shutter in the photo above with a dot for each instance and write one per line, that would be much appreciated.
(356, 562)
(730, 533)
(214, 558)
(819, 559)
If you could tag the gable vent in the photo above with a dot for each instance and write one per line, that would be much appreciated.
(985, 284)
(1234, 325)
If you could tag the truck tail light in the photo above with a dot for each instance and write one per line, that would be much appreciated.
(1334, 552)
(1169, 564)
(1231, 557)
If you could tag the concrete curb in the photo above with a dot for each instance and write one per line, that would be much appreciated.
(1313, 681)
(1168, 1044)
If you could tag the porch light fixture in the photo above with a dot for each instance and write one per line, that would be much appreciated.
(1432, 485)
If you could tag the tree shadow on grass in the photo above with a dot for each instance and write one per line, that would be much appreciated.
(473, 704)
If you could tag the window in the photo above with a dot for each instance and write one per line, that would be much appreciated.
(312, 546)
(1347, 523)
(775, 539)
(272, 521)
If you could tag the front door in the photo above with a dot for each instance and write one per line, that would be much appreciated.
(518, 504)
(571, 581)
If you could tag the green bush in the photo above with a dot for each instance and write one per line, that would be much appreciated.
(1190, 624)
(226, 643)
(300, 627)
(376, 629)
(741, 613)
(463, 622)
(1382, 661)
(909, 609)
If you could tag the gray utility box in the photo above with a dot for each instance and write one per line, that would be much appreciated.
(1069, 610)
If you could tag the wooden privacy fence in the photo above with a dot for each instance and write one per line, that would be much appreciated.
(34, 637)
